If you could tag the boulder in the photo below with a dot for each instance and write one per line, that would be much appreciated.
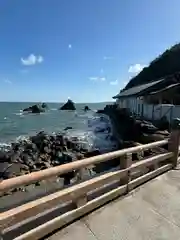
(9, 170)
(147, 127)
(44, 105)
(38, 139)
(67, 128)
(92, 153)
(86, 108)
(34, 109)
(100, 111)
(68, 106)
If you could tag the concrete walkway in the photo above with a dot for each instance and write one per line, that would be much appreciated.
(151, 212)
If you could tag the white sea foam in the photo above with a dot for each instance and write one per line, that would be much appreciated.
(97, 135)
(93, 131)
(4, 146)
(19, 114)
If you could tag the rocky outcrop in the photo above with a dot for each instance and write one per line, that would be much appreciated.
(42, 151)
(86, 108)
(36, 108)
(131, 131)
(69, 105)
(44, 105)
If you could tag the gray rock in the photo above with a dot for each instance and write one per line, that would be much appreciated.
(67, 128)
(25, 167)
(69, 105)
(47, 150)
(9, 170)
(34, 109)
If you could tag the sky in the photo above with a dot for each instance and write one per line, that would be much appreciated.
(86, 50)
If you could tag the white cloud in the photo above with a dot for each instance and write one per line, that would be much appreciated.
(40, 59)
(69, 46)
(100, 79)
(114, 82)
(136, 68)
(32, 60)
(107, 58)
(7, 81)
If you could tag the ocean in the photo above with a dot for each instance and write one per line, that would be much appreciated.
(15, 125)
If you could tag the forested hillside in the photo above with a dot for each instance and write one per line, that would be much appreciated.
(166, 64)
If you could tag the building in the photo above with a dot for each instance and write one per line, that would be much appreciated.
(164, 91)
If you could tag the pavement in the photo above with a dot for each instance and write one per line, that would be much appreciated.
(150, 212)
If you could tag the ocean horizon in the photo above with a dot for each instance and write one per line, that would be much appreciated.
(15, 125)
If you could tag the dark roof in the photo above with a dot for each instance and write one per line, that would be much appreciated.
(136, 90)
(166, 88)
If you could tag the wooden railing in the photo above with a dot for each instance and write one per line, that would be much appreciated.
(42, 216)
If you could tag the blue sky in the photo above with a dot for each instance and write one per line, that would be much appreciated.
(83, 49)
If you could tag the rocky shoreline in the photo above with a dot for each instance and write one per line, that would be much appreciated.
(40, 152)
(43, 150)
(132, 130)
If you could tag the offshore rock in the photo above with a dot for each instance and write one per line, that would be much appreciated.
(86, 108)
(35, 108)
(69, 105)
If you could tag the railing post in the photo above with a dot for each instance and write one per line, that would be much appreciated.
(173, 145)
(125, 162)
(81, 200)
(83, 174)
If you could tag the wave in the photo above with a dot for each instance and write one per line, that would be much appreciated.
(5, 146)
(98, 134)
(93, 131)
(19, 114)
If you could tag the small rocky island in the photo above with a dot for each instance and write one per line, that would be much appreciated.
(86, 108)
(37, 108)
(69, 105)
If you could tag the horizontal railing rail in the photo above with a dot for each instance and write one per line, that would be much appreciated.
(65, 168)
(21, 223)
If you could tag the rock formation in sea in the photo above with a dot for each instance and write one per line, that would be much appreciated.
(69, 105)
(37, 108)
(86, 108)
(44, 105)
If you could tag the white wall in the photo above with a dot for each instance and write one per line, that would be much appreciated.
(150, 111)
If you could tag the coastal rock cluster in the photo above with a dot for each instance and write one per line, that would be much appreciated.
(37, 108)
(135, 128)
(40, 152)
(133, 131)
